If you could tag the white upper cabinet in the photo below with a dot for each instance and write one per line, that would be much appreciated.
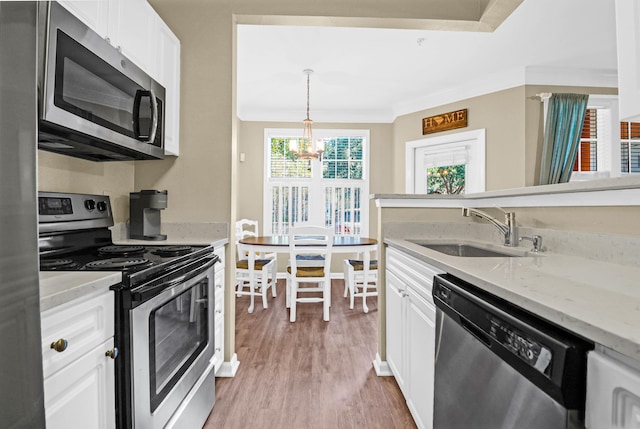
(628, 39)
(127, 25)
(132, 31)
(95, 14)
(168, 67)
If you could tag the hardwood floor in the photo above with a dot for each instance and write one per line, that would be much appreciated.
(307, 374)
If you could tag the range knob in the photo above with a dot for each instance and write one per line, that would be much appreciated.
(102, 206)
(90, 204)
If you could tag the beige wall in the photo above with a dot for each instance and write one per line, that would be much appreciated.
(512, 118)
(501, 113)
(59, 173)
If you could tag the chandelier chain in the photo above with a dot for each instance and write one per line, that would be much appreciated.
(308, 74)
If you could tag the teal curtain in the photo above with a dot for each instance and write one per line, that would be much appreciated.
(565, 116)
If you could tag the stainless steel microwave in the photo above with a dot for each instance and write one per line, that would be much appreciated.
(94, 103)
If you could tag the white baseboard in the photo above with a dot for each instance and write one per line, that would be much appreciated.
(229, 369)
(382, 367)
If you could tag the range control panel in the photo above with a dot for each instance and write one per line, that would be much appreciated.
(48, 206)
(533, 353)
(66, 208)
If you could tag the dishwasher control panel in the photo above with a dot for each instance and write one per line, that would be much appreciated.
(532, 352)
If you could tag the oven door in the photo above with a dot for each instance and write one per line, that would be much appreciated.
(172, 346)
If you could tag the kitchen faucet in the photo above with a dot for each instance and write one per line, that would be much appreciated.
(508, 229)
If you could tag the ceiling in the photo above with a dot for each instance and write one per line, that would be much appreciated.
(374, 75)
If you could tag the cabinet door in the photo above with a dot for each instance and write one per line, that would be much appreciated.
(628, 39)
(421, 330)
(94, 13)
(168, 69)
(218, 321)
(131, 29)
(82, 395)
(395, 328)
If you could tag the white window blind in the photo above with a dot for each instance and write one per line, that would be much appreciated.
(457, 155)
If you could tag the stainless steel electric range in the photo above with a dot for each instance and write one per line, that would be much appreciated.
(164, 310)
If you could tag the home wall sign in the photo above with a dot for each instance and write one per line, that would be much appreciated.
(444, 122)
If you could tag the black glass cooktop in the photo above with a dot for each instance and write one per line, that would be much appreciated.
(116, 258)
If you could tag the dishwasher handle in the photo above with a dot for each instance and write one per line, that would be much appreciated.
(475, 331)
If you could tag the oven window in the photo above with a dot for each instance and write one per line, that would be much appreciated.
(178, 332)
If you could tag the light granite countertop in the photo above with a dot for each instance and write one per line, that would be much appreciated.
(597, 300)
(195, 234)
(59, 287)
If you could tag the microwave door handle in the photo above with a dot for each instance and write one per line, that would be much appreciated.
(136, 114)
(154, 117)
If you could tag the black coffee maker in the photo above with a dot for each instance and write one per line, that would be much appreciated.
(144, 214)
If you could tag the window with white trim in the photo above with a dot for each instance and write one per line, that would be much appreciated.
(598, 151)
(630, 147)
(333, 193)
(606, 149)
(449, 164)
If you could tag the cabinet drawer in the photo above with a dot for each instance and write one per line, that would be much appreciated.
(83, 323)
(412, 271)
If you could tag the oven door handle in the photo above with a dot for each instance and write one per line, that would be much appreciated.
(152, 290)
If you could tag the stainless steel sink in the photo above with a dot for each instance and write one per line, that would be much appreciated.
(465, 250)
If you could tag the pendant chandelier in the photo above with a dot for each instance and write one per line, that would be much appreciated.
(309, 149)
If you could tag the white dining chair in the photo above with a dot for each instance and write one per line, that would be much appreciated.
(360, 282)
(250, 228)
(303, 279)
(258, 277)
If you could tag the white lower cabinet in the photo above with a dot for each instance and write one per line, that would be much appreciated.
(421, 327)
(396, 319)
(218, 315)
(78, 363)
(82, 395)
(411, 317)
(613, 390)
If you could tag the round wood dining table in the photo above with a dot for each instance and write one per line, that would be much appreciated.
(280, 243)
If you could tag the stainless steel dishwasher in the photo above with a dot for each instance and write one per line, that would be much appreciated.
(500, 367)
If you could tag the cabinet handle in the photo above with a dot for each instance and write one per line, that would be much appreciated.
(113, 353)
(404, 294)
(219, 311)
(219, 286)
(218, 349)
(60, 345)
